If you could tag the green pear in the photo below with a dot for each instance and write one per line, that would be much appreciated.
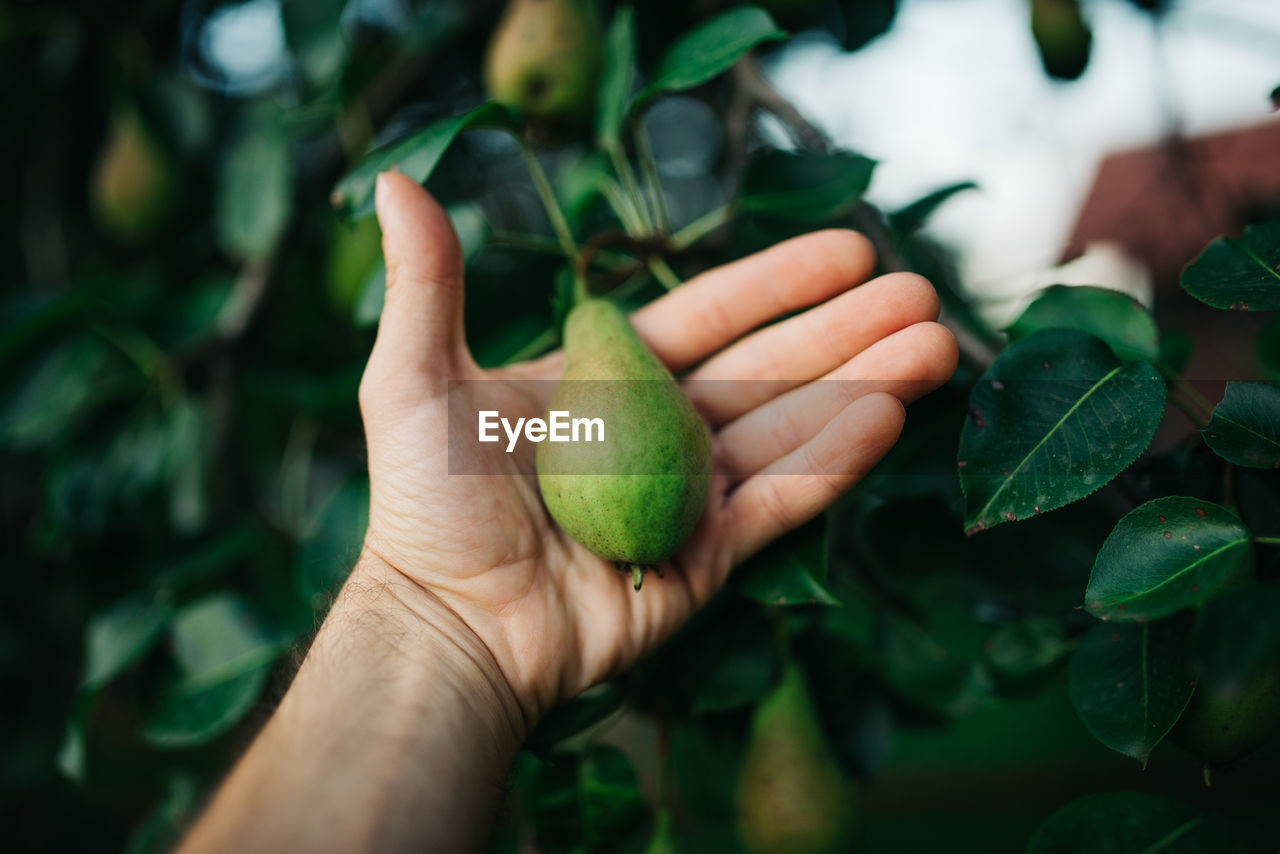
(1062, 36)
(634, 497)
(544, 59)
(133, 183)
(792, 795)
(353, 253)
(1223, 725)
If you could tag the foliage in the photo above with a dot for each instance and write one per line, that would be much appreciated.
(183, 474)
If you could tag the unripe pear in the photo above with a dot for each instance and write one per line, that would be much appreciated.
(544, 59)
(1062, 37)
(635, 497)
(1221, 725)
(792, 795)
(132, 187)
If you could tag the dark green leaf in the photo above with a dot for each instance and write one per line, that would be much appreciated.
(1115, 317)
(416, 155)
(710, 49)
(61, 389)
(119, 636)
(610, 800)
(616, 77)
(332, 543)
(1130, 682)
(1164, 556)
(1238, 636)
(190, 712)
(159, 831)
(582, 712)
(806, 186)
(791, 571)
(1026, 647)
(219, 637)
(912, 218)
(254, 194)
(71, 753)
(1127, 823)
(1245, 427)
(864, 20)
(1240, 273)
(1062, 36)
(1055, 418)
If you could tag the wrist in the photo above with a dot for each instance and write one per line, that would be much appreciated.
(421, 634)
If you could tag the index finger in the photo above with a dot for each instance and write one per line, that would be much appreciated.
(723, 304)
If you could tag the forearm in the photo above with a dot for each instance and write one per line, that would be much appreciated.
(396, 735)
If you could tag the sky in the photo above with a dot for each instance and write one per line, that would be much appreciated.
(954, 91)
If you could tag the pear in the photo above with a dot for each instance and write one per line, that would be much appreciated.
(544, 59)
(132, 186)
(636, 496)
(1221, 725)
(792, 796)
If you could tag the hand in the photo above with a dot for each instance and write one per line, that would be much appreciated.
(540, 612)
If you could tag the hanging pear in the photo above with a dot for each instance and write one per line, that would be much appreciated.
(1062, 36)
(544, 59)
(1221, 725)
(133, 183)
(792, 795)
(634, 496)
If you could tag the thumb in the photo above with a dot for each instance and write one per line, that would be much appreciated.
(421, 327)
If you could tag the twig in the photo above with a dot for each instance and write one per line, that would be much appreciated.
(649, 167)
(663, 272)
(548, 197)
(701, 227)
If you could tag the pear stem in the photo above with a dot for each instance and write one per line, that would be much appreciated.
(637, 575)
(631, 186)
(702, 226)
(622, 207)
(649, 166)
(540, 183)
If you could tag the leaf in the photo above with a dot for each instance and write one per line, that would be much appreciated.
(610, 801)
(416, 155)
(1115, 317)
(1164, 556)
(912, 218)
(1125, 822)
(710, 49)
(1055, 418)
(1239, 273)
(582, 712)
(332, 543)
(1245, 427)
(254, 198)
(865, 20)
(59, 392)
(1239, 635)
(160, 829)
(219, 637)
(616, 77)
(188, 712)
(1130, 682)
(791, 571)
(119, 636)
(1026, 647)
(805, 186)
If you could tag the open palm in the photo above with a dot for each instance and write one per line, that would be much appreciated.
(823, 406)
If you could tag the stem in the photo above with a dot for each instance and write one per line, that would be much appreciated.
(548, 197)
(662, 783)
(1197, 418)
(538, 243)
(1229, 486)
(663, 272)
(623, 208)
(1270, 541)
(649, 166)
(1195, 405)
(630, 186)
(539, 345)
(702, 226)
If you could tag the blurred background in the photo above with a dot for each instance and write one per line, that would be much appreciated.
(185, 317)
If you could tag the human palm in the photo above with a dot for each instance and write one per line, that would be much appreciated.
(822, 406)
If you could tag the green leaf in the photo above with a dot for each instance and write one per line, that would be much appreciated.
(1026, 647)
(1239, 273)
(1115, 317)
(254, 198)
(912, 218)
(120, 636)
(806, 187)
(616, 77)
(710, 49)
(791, 571)
(609, 798)
(1245, 427)
(70, 760)
(332, 543)
(1130, 682)
(582, 712)
(416, 155)
(1238, 636)
(188, 712)
(219, 637)
(160, 830)
(1164, 556)
(864, 20)
(59, 392)
(1055, 418)
(1127, 823)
